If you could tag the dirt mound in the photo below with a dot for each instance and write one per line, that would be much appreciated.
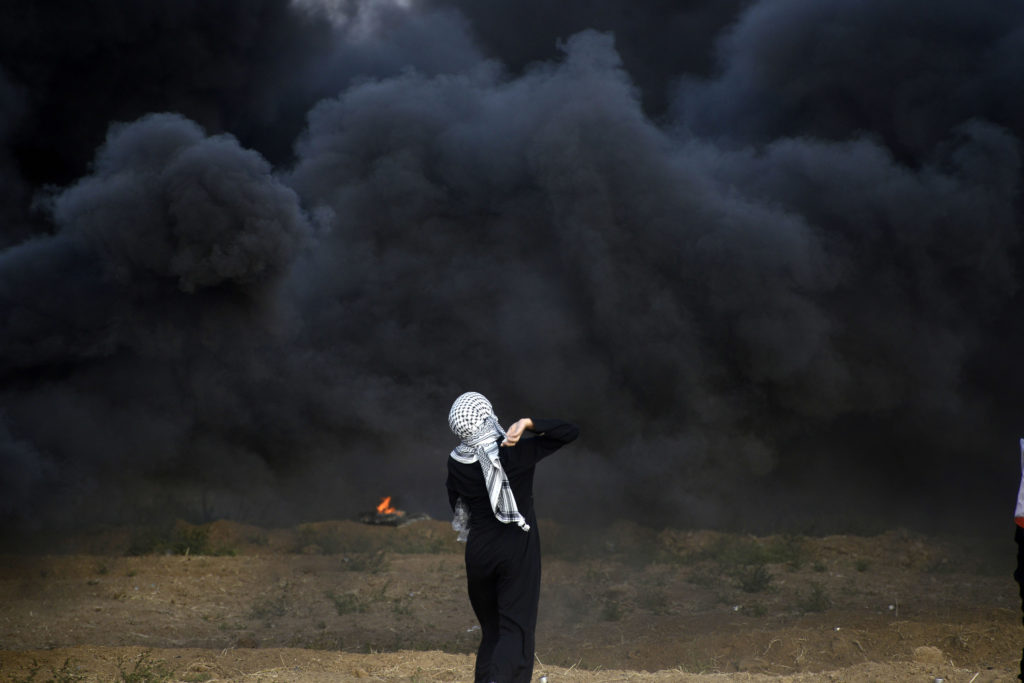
(310, 666)
(328, 600)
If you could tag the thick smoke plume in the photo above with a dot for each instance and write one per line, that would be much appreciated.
(764, 253)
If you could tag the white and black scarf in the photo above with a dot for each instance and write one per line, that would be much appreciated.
(472, 419)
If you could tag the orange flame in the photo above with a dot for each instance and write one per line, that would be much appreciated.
(385, 506)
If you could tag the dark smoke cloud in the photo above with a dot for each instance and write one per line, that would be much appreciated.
(658, 40)
(907, 73)
(250, 68)
(166, 203)
(132, 326)
(773, 290)
(14, 192)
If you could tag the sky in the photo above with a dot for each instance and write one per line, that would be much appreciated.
(765, 253)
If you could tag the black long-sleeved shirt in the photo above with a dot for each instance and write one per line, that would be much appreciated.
(467, 481)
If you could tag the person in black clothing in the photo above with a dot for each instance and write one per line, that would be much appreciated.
(490, 481)
(1018, 536)
(1018, 575)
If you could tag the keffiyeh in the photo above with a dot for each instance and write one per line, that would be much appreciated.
(472, 419)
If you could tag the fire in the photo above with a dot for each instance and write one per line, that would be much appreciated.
(385, 506)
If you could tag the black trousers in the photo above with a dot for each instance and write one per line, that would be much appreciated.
(1018, 574)
(503, 573)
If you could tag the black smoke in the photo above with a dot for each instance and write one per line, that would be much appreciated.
(764, 253)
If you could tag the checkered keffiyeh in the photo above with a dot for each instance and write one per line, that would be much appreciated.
(472, 419)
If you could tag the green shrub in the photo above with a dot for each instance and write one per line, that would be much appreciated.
(144, 670)
(816, 600)
(754, 579)
(347, 603)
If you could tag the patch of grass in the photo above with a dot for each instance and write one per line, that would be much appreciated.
(198, 677)
(426, 543)
(612, 606)
(191, 541)
(757, 610)
(169, 541)
(176, 539)
(355, 603)
(754, 579)
(699, 663)
(862, 565)
(732, 551)
(328, 540)
(67, 673)
(816, 600)
(144, 669)
(819, 567)
(347, 603)
(704, 579)
(372, 563)
(146, 540)
(402, 606)
(269, 607)
(30, 677)
(655, 602)
(789, 550)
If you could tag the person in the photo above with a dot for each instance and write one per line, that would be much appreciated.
(490, 490)
(1018, 517)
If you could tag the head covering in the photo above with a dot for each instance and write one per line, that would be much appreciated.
(472, 419)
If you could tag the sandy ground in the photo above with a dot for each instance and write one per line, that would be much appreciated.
(344, 601)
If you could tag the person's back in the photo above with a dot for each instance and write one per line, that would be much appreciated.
(466, 481)
(495, 485)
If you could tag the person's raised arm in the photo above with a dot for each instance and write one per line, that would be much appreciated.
(556, 430)
(550, 436)
(515, 432)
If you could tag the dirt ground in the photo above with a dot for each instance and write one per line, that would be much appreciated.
(345, 601)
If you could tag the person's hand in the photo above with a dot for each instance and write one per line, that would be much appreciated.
(515, 432)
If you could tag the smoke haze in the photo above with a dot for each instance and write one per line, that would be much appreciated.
(764, 253)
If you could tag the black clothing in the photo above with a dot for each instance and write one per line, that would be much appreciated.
(502, 560)
(1018, 575)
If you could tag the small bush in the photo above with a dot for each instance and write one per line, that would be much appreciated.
(789, 550)
(731, 551)
(654, 602)
(269, 607)
(66, 673)
(704, 579)
(373, 563)
(613, 607)
(347, 603)
(144, 670)
(754, 579)
(816, 600)
(177, 539)
(191, 541)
